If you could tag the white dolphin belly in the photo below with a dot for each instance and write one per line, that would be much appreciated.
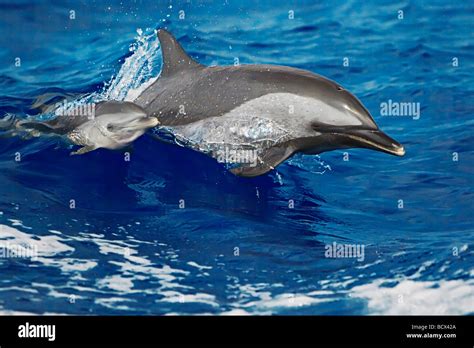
(260, 123)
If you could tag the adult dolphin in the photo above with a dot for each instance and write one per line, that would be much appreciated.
(276, 110)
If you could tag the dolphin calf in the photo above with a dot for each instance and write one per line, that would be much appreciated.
(113, 125)
(266, 111)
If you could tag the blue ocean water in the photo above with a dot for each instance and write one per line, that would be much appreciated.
(172, 232)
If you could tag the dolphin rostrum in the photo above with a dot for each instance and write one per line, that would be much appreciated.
(268, 111)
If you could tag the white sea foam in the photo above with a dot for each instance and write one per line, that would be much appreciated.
(44, 246)
(178, 297)
(286, 300)
(260, 299)
(410, 297)
(200, 267)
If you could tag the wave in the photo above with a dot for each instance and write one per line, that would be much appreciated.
(416, 297)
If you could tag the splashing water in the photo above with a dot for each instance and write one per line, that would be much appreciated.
(136, 73)
(312, 163)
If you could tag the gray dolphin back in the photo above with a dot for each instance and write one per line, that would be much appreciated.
(187, 91)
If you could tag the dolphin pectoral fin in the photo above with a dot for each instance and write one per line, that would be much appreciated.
(83, 150)
(250, 172)
(265, 163)
(174, 57)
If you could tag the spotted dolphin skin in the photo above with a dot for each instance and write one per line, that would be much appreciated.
(274, 110)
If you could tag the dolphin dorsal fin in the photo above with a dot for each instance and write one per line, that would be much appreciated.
(174, 57)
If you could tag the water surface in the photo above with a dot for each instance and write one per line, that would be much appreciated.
(172, 232)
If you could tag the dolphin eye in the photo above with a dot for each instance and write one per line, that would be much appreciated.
(339, 88)
(110, 127)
